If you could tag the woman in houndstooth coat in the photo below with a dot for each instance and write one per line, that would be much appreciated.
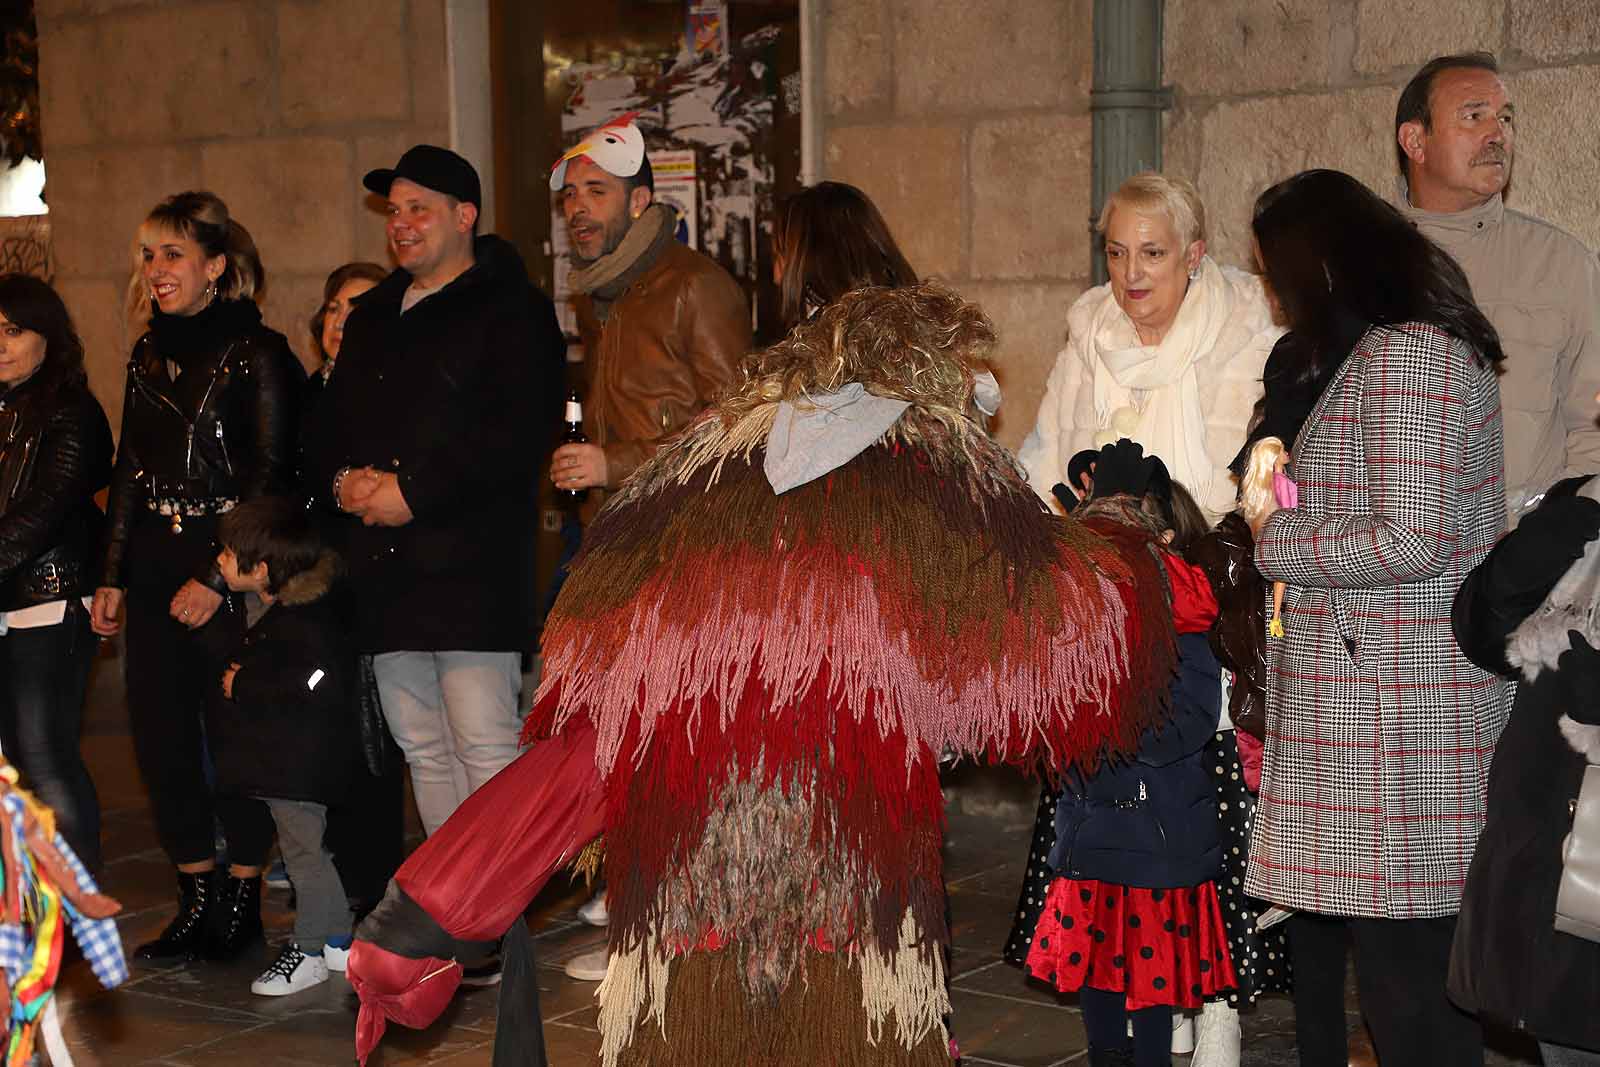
(1379, 731)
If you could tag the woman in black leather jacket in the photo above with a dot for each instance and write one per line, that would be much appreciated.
(209, 420)
(55, 454)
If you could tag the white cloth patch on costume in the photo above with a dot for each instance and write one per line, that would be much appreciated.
(986, 392)
(825, 432)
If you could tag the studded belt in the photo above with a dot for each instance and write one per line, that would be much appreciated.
(177, 509)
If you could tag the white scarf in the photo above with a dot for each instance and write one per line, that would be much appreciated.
(1150, 393)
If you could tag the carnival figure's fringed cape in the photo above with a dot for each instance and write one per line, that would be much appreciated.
(769, 680)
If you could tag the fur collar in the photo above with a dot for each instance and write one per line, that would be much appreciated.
(312, 584)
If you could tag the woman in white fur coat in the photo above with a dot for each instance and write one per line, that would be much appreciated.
(1168, 353)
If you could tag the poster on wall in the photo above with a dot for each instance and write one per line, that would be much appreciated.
(710, 115)
(675, 187)
(707, 32)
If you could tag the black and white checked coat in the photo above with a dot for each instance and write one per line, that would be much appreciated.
(1379, 731)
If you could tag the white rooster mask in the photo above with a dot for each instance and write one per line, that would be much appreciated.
(616, 148)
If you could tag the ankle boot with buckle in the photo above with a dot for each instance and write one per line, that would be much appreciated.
(185, 936)
(235, 918)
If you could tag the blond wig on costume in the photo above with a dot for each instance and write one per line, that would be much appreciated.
(918, 343)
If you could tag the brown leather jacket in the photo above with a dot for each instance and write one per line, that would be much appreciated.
(671, 343)
(1239, 636)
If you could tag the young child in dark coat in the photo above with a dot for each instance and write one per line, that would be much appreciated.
(282, 728)
(1131, 921)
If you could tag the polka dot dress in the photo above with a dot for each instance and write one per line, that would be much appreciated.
(1158, 946)
(1260, 960)
(1035, 880)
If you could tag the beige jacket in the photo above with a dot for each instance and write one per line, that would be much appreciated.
(1187, 400)
(1540, 287)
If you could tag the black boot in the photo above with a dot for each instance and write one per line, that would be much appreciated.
(184, 938)
(235, 918)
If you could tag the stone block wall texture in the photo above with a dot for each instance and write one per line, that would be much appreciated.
(1263, 90)
(968, 124)
(277, 106)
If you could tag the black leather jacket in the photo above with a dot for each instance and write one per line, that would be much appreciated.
(55, 454)
(226, 428)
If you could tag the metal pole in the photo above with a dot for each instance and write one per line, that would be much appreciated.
(1126, 103)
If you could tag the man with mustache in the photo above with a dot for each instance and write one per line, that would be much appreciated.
(663, 326)
(1540, 287)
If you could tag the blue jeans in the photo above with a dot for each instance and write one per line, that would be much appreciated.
(46, 674)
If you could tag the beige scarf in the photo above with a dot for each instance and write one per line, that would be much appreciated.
(607, 277)
(1150, 392)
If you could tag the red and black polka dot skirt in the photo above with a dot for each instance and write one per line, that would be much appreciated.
(1160, 946)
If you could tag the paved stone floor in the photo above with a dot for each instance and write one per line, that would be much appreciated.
(205, 1016)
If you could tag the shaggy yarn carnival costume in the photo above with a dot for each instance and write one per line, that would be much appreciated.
(747, 692)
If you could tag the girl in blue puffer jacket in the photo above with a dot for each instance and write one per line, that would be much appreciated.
(1131, 920)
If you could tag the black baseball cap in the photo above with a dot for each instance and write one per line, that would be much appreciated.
(433, 168)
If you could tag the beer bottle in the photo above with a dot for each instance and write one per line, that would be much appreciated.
(573, 435)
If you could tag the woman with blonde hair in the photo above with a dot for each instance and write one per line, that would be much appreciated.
(1168, 352)
(208, 420)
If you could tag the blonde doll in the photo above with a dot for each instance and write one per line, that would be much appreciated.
(1264, 488)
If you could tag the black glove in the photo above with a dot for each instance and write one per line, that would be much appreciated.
(1066, 497)
(1531, 560)
(1579, 671)
(1124, 468)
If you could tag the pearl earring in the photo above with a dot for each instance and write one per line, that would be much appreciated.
(1194, 274)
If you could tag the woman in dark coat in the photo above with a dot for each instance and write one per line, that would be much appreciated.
(1509, 963)
(55, 454)
(209, 419)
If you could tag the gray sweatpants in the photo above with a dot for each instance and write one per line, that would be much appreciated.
(321, 909)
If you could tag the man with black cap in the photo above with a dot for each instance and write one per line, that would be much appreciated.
(429, 441)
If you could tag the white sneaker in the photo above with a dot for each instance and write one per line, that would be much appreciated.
(595, 912)
(336, 958)
(291, 972)
(1182, 1032)
(1218, 1036)
(589, 966)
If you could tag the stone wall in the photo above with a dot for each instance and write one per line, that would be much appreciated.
(1266, 90)
(968, 124)
(278, 106)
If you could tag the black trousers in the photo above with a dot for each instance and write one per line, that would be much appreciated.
(1400, 976)
(366, 833)
(171, 672)
(44, 674)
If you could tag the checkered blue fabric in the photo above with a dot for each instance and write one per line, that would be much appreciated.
(1379, 731)
(99, 939)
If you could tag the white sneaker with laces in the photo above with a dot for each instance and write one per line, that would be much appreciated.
(1182, 1032)
(595, 912)
(336, 958)
(291, 972)
(1218, 1036)
(589, 966)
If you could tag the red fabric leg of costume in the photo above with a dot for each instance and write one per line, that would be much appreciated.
(479, 872)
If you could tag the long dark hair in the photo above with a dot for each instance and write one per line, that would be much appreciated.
(1336, 255)
(359, 269)
(832, 240)
(33, 305)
